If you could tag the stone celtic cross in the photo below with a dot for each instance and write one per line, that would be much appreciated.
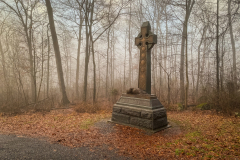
(145, 42)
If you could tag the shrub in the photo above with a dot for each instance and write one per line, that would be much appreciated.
(180, 107)
(14, 108)
(203, 106)
(87, 107)
(114, 92)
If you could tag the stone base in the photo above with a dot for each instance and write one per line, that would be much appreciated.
(147, 130)
(142, 111)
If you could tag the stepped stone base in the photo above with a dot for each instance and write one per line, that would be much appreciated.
(142, 111)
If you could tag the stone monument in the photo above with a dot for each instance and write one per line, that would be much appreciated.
(138, 108)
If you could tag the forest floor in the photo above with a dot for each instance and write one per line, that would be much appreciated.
(194, 134)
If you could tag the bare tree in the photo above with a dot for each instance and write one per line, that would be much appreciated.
(24, 12)
(189, 6)
(217, 45)
(232, 42)
(57, 53)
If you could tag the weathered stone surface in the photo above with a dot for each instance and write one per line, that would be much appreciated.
(146, 115)
(141, 122)
(134, 101)
(131, 112)
(116, 109)
(138, 107)
(156, 102)
(145, 41)
(120, 118)
(158, 123)
(159, 114)
(141, 96)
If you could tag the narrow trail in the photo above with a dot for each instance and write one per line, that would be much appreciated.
(20, 147)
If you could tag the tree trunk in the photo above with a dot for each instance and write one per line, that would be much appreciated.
(32, 71)
(203, 58)
(217, 44)
(193, 77)
(5, 76)
(125, 56)
(57, 54)
(106, 92)
(222, 64)
(78, 57)
(48, 62)
(169, 89)
(34, 89)
(113, 54)
(232, 42)
(166, 44)
(93, 54)
(189, 5)
(129, 46)
(182, 64)
(40, 86)
(199, 66)
(94, 72)
(87, 52)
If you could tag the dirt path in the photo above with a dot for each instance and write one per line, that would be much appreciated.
(19, 147)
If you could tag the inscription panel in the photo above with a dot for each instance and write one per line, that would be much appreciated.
(141, 102)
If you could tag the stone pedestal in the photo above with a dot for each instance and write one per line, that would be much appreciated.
(141, 111)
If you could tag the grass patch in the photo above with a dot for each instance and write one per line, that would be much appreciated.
(87, 123)
(179, 151)
(193, 134)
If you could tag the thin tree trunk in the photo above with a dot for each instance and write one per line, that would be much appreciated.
(106, 91)
(129, 46)
(166, 43)
(169, 89)
(217, 44)
(193, 78)
(78, 58)
(87, 52)
(94, 72)
(4, 66)
(189, 5)
(93, 54)
(186, 56)
(113, 54)
(57, 54)
(233, 43)
(32, 60)
(42, 70)
(203, 58)
(182, 64)
(199, 66)
(34, 69)
(111, 61)
(108, 47)
(222, 64)
(125, 56)
(48, 62)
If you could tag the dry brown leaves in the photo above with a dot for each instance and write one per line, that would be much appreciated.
(202, 135)
(67, 127)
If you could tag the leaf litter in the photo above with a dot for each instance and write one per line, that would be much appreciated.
(193, 135)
